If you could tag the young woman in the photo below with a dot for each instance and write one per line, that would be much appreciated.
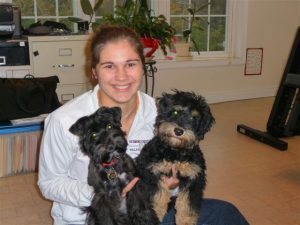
(117, 63)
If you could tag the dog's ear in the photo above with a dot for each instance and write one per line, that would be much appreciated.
(78, 128)
(163, 102)
(206, 120)
(117, 113)
(101, 110)
(157, 103)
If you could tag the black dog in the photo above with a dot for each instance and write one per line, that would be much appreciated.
(183, 119)
(110, 168)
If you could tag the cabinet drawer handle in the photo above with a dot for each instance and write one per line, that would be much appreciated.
(63, 65)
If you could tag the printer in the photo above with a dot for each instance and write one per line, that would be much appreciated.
(13, 48)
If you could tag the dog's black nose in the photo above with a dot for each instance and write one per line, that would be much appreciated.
(178, 131)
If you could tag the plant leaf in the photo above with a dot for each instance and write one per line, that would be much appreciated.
(144, 5)
(74, 19)
(203, 7)
(86, 7)
(196, 46)
(127, 3)
(97, 5)
(186, 33)
(191, 11)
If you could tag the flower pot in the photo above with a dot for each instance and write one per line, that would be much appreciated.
(150, 46)
(182, 49)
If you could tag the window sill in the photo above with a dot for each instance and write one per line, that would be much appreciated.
(199, 62)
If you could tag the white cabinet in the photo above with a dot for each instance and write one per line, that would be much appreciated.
(64, 56)
(14, 71)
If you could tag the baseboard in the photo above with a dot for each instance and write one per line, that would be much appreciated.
(234, 95)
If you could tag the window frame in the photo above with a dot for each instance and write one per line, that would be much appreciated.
(235, 53)
(55, 17)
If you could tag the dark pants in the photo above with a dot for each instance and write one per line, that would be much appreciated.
(213, 212)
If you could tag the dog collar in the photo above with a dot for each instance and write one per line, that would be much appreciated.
(111, 173)
(109, 164)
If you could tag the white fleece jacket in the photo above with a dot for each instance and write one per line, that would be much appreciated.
(63, 168)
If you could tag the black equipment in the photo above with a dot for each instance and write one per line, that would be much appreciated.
(14, 53)
(10, 21)
(284, 119)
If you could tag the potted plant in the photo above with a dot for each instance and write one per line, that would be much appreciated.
(137, 15)
(183, 46)
(90, 11)
(154, 30)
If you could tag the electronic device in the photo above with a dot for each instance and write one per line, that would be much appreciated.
(263, 137)
(17, 21)
(10, 21)
(14, 53)
(284, 119)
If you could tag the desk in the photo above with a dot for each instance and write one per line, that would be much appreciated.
(150, 72)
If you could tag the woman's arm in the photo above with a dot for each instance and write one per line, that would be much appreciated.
(171, 182)
(55, 173)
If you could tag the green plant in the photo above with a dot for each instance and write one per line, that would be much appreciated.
(137, 15)
(193, 23)
(88, 10)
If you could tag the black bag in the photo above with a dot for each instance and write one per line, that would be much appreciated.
(27, 97)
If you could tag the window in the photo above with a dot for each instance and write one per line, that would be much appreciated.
(212, 18)
(42, 10)
(223, 22)
(107, 7)
(59, 10)
(209, 22)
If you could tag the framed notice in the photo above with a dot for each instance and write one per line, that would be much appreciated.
(254, 58)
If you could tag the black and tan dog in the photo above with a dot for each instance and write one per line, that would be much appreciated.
(183, 119)
(110, 168)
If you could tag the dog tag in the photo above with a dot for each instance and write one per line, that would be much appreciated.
(111, 174)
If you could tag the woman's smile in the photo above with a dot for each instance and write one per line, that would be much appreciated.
(122, 87)
(119, 73)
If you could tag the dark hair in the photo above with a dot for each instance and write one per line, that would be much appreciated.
(105, 34)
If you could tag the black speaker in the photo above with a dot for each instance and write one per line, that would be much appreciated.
(17, 22)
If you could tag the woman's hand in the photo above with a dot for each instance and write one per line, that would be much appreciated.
(129, 186)
(171, 182)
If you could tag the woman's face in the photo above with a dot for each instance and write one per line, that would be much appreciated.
(119, 73)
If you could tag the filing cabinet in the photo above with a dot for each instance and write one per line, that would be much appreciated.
(64, 56)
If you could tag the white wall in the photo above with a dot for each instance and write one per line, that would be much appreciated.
(271, 25)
